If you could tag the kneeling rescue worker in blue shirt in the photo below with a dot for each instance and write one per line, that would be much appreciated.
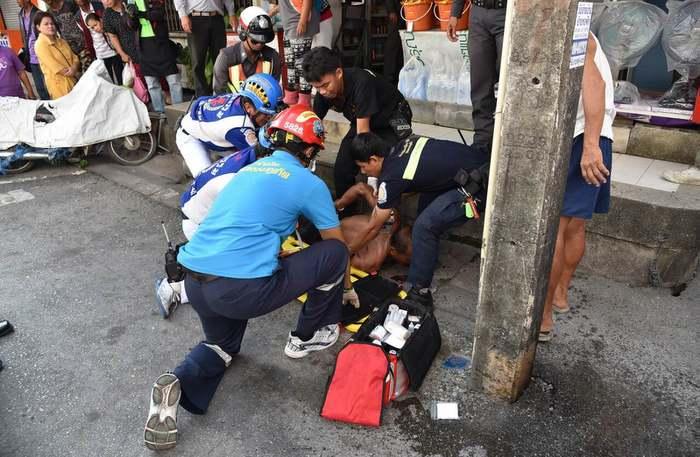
(235, 270)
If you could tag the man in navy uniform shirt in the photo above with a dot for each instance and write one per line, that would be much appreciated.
(428, 167)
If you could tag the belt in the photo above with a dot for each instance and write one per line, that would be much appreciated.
(205, 13)
(490, 4)
(201, 277)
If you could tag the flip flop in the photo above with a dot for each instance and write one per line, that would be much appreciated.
(545, 337)
(560, 310)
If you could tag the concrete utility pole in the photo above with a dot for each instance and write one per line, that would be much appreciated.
(538, 96)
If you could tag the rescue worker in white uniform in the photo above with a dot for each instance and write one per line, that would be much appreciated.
(227, 123)
(195, 204)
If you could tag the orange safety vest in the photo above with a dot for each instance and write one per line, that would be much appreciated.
(236, 75)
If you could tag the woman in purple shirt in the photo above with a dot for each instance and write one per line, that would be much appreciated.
(11, 73)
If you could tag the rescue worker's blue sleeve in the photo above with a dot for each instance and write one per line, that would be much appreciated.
(318, 206)
(241, 138)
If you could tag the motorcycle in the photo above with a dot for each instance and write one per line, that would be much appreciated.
(128, 150)
(94, 116)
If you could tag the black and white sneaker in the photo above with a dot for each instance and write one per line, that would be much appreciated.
(161, 427)
(166, 298)
(323, 338)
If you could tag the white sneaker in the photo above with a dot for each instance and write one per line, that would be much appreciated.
(688, 176)
(161, 427)
(323, 338)
(166, 297)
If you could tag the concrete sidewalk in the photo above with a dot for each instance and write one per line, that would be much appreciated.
(619, 379)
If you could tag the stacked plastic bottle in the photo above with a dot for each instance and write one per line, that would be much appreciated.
(443, 81)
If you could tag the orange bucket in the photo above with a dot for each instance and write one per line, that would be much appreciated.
(418, 12)
(443, 10)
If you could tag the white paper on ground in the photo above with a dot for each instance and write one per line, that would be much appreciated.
(446, 410)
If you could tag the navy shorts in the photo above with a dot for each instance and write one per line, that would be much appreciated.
(581, 199)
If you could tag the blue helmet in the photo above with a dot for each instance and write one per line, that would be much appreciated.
(264, 91)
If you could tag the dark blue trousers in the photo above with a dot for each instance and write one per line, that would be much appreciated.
(225, 305)
(437, 215)
(38, 77)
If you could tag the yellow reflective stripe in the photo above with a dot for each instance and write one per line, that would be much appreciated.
(236, 75)
(412, 165)
(234, 78)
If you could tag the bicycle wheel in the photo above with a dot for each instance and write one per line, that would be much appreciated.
(133, 149)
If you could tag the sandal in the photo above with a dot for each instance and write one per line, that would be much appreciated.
(560, 310)
(545, 336)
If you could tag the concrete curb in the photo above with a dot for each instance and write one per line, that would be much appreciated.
(158, 188)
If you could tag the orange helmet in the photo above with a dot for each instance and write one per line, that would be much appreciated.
(301, 125)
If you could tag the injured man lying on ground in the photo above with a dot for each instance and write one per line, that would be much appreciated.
(392, 241)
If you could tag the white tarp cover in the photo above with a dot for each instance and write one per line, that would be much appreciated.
(95, 110)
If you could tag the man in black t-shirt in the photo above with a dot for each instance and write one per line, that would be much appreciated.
(428, 167)
(370, 103)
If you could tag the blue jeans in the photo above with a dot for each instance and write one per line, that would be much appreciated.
(156, 91)
(225, 305)
(442, 213)
(38, 78)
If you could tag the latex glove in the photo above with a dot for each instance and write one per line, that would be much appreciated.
(350, 296)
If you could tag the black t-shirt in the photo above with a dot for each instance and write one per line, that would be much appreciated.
(116, 23)
(67, 26)
(364, 95)
(424, 165)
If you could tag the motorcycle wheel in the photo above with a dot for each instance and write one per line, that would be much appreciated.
(133, 149)
(19, 166)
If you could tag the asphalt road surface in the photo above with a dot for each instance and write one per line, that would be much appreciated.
(78, 258)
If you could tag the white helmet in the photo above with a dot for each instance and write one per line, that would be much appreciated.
(254, 23)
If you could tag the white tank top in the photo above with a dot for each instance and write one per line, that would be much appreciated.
(604, 69)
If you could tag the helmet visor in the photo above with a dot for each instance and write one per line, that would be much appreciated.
(261, 37)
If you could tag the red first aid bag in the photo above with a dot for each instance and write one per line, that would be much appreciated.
(356, 389)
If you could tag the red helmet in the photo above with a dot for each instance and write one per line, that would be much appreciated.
(300, 122)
